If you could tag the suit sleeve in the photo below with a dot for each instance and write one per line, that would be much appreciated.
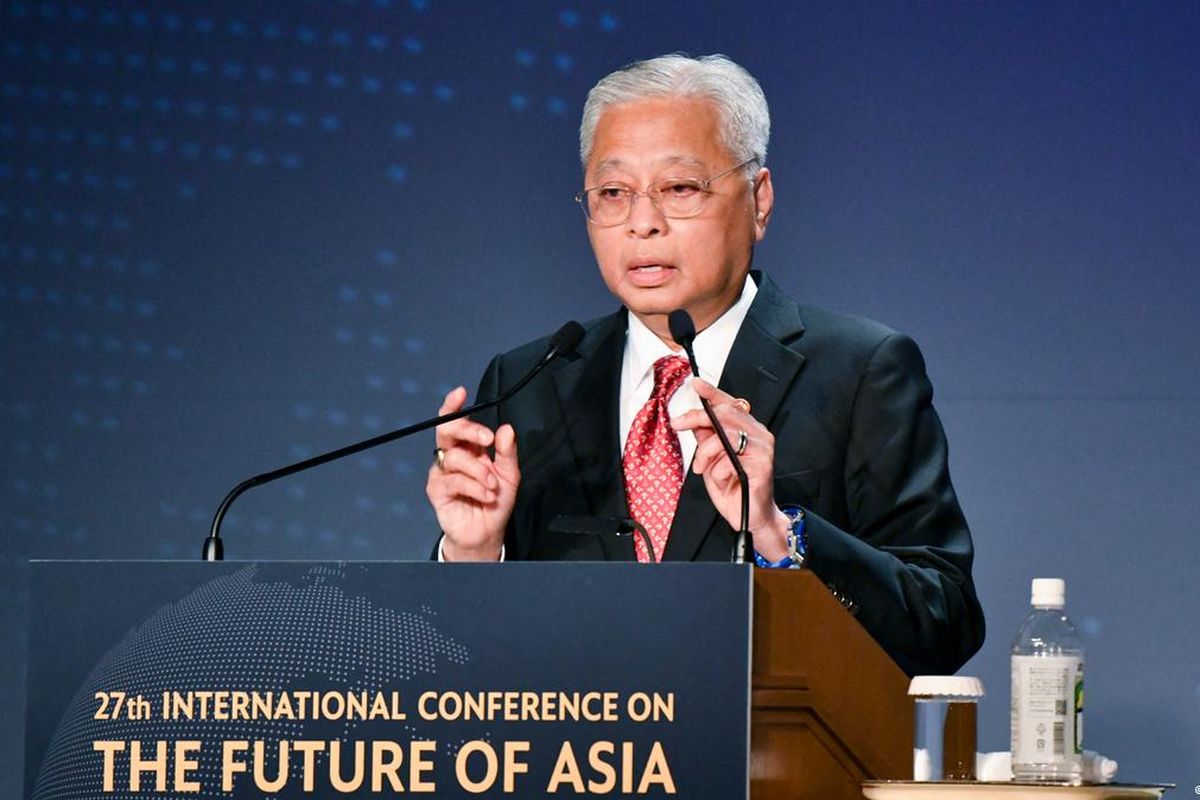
(904, 565)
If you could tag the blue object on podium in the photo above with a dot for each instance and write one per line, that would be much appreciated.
(247, 679)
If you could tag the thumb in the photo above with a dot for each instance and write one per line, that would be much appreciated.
(507, 467)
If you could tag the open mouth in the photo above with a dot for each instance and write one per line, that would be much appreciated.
(649, 275)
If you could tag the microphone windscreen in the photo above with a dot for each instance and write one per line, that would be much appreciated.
(567, 338)
(683, 330)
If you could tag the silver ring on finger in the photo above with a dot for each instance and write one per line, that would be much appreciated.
(743, 440)
(439, 459)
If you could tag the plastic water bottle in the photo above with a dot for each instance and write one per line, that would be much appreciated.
(1047, 691)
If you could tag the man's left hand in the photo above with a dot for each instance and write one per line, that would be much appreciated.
(768, 524)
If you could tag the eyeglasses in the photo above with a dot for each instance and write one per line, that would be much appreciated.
(676, 198)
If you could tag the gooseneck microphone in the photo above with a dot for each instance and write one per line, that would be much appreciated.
(562, 343)
(683, 331)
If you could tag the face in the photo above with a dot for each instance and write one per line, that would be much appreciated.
(655, 265)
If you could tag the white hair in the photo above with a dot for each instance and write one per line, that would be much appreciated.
(741, 105)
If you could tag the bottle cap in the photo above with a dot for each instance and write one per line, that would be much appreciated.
(1049, 592)
(946, 686)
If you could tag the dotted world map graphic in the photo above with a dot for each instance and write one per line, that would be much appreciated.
(244, 632)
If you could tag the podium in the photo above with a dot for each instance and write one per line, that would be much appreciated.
(829, 709)
(169, 679)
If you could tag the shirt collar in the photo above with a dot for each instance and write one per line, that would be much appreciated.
(712, 345)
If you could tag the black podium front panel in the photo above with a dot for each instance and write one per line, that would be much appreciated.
(366, 679)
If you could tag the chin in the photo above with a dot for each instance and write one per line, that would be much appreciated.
(662, 307)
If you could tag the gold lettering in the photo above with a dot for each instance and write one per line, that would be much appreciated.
(183, 765)
(356, 705)
(657, 772)
(425, 713)
(284, 710)
(664, 707)
(181, 705)
(389, 768)
(626, 767)
(638, 706)
(110, 750)
(335, 767)
(566, 771)
(473, 706)
(512, 767)
(229, 766)
(419, 764)
(460, 766)
(241, 705)
(450, 705)
(333, 705)
(310, 750)
(157, 765)
(260, 766)
(262, 705)
(600, 765)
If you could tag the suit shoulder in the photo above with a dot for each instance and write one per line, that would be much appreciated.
(844, 332)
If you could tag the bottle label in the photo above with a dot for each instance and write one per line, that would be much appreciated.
(1047, 709)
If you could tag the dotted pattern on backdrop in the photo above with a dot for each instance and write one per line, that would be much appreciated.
(116, 115)
(238, 630)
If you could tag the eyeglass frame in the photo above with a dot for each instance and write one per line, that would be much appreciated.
(702, 185)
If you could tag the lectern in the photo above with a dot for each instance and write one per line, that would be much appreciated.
(293, 679)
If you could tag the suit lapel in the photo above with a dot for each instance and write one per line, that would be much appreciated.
(587, 390)
(761, 368)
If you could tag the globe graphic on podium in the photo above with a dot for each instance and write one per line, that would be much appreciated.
(250, 630)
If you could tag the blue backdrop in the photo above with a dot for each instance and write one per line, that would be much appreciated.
(232, 235)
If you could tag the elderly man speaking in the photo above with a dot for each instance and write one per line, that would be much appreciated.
(831, 414)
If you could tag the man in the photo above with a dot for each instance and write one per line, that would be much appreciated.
(831, 414)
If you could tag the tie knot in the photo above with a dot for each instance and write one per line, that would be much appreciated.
(669, 374)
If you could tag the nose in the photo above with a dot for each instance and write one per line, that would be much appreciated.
(645, 220)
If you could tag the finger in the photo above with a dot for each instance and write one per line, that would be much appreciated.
(454, 400)
(457, 486)
(711, 451)
(707, 452)
(711, 393)
(463, 433)
(693, 420)
(474, 465)
(730, 416)
(462, 430)
(719, 399)
(507, 464)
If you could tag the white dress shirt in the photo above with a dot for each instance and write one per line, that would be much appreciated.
(643, 348)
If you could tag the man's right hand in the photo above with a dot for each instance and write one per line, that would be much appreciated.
(472, 494)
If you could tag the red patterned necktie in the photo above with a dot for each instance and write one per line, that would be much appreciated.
(653, 462)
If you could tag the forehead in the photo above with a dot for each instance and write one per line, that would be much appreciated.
(658, 133)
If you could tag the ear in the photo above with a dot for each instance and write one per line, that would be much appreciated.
(764, 201)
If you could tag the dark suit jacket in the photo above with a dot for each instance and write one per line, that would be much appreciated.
(858, 445)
